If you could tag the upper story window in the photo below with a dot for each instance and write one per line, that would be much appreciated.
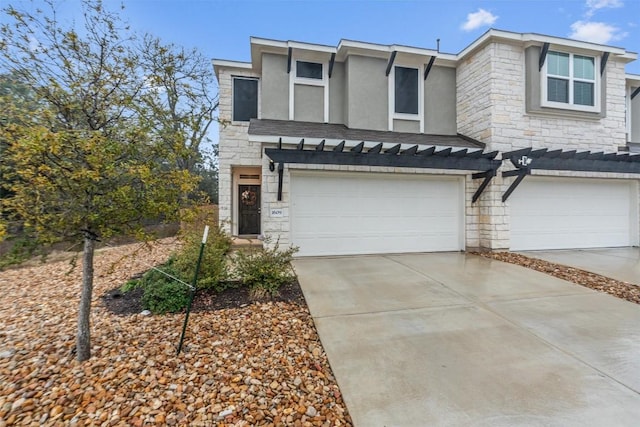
(309, 70)
(570, 81)
(406, 95)
(406, 90)
(245, 99)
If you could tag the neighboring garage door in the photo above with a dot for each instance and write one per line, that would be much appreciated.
(367, 213)
(564, 213)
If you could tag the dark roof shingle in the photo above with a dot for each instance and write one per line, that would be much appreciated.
(291, 128)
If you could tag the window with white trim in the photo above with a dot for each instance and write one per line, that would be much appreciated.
(570, 81)
(309, 73)
(245, 99)
(309, 70)
(406, 95)
(406, 90)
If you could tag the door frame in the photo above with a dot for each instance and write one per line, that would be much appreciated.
(258, 208)
(243, 176)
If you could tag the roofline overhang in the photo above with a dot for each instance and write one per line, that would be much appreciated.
(530, 39)
(347, 47)
(223, 63)
(632, 79)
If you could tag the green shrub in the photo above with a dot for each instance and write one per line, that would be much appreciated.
(21, 248)
(264, 270)
(130, 285)
(213, 269)
(162, 294)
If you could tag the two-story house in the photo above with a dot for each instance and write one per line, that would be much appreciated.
(520, 141)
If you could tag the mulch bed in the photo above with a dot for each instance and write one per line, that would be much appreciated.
(617, 288)
(130, 302)
(243, 363)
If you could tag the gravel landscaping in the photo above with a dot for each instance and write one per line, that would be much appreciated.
(246, 364)
(617, 288)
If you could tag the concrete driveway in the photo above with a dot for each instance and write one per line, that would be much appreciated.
(451, 339)
(617, 263)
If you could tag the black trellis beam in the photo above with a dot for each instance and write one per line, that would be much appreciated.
(488, 176)
(520, 173)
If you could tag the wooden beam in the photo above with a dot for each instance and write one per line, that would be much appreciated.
(427, 69)
(375, 149)
(393, 150)
(280, 177)
(358, 148)
(444, 153)
(410, 151)
(603, 62)
(331, 62)
(427, 151)
(488, 176)
(514, 184)
(543, 55)
(382, 159)
(392, 58)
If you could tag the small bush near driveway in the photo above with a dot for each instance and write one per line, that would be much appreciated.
(264, 270)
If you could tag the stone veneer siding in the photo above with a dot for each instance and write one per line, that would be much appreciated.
(234, 147)
(491, 108)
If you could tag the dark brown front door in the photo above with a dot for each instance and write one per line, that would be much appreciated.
(249, 209)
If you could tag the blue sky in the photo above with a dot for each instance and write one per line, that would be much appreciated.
(221, 29)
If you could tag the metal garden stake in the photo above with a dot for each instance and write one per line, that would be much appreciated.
(193, 286)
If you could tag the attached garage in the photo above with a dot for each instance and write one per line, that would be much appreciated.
(365, 213)
(567, 213)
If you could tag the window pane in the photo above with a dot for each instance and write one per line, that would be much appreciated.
(557, 90)
(245, 99)
(558, 64)
(309, 70)
(406, 86)
(582, 93)
(583, 67)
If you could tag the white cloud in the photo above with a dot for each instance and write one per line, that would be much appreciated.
(596, 32)
(594, 5)
(34, 44)
(478, 19)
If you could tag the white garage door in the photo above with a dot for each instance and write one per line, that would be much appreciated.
(564, 213)
(365, 213)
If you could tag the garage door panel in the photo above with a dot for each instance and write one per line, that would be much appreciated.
(333, 214)
(568, 213)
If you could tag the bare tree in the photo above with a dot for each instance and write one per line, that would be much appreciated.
(180, 97)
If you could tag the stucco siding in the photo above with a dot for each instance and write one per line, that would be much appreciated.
(337, 94)
(275, 87)
(440, 101)
(308, 103)
(368, 93)
(411, 126)
(635, 119)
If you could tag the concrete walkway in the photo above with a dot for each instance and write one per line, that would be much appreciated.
(453, 339)
(617, 263)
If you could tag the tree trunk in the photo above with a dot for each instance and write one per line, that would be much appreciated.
(83, 341)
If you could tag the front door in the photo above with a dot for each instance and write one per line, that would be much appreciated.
(249, 209)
